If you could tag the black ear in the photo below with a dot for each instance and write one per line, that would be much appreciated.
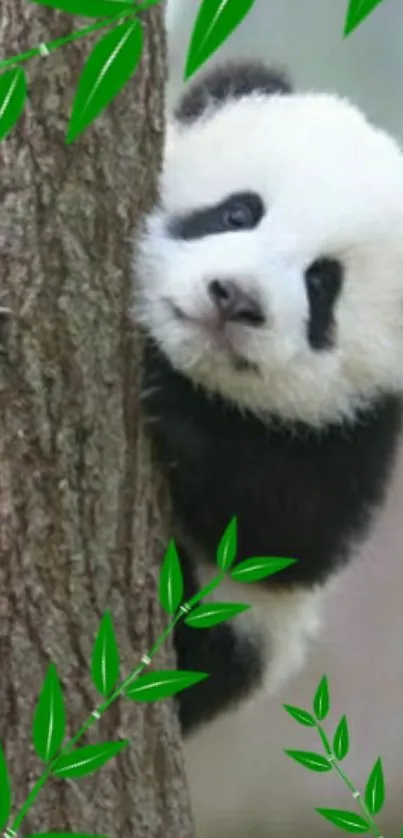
(232, 80)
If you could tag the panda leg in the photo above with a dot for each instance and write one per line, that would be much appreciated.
(232, 658)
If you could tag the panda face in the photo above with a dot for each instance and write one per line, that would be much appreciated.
(272, 269)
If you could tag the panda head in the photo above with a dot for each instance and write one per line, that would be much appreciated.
(271, 269)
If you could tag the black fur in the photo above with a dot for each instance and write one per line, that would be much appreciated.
(297, 493)
(232, 80)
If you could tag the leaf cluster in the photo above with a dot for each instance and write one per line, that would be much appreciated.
(374, 796)
(114, 59)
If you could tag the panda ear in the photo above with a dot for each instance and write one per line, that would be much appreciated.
(232, 80)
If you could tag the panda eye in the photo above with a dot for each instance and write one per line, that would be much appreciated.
(324, 278)
(238, 217)
(242, 212)
(323, 281)
(239, 211)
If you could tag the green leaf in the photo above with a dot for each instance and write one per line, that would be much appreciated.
(215, 22)
(65, 835)
(163, 684)
(316, 762)
(300, 716)
(88, 8)
(358, 10)
(86, 760)
(253, 570)
(49, 719)
(110, 65)
(105, 657)
(375, 789)
(171, 580)
(321, 702)
(341, 742)
(205, 616)
(13, 94)
(348, 821)
(5, 791)
(227, 548)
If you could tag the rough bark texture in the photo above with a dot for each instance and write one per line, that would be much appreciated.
(80, 509)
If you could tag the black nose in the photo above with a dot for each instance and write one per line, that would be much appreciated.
(235, 304)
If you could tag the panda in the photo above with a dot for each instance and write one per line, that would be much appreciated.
(269, 287)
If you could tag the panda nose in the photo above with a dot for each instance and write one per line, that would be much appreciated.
(234, 304)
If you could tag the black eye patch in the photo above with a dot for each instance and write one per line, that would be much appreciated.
(240, 211)
(323, 281)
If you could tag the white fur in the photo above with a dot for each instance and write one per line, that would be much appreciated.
(333, 187)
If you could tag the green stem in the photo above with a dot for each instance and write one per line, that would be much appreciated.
(355, 793)
(96, 714)
(30, 800)
(76, 36)
(207, 590)
(61, 42)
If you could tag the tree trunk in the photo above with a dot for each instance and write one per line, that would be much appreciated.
(82, 513)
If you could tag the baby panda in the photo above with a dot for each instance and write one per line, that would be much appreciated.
(270, 289)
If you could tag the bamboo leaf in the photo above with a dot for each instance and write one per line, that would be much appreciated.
(358, 10)
(105, 657)
(89, 8)
(215, 22)
(86, 760)
(253, 570)
(315, 762)
(348, 821)
(341, 742)
(13, 94)
(321, 702)
(205, 616)
(157, 685)
(300, 716)
(375, 789)
(5, 791)
(171, 580)
(110, 65)
(227, 548)
(49, 719)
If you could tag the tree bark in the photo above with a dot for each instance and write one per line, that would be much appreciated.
(83, 515)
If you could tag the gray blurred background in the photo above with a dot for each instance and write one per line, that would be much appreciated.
(242, 783)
